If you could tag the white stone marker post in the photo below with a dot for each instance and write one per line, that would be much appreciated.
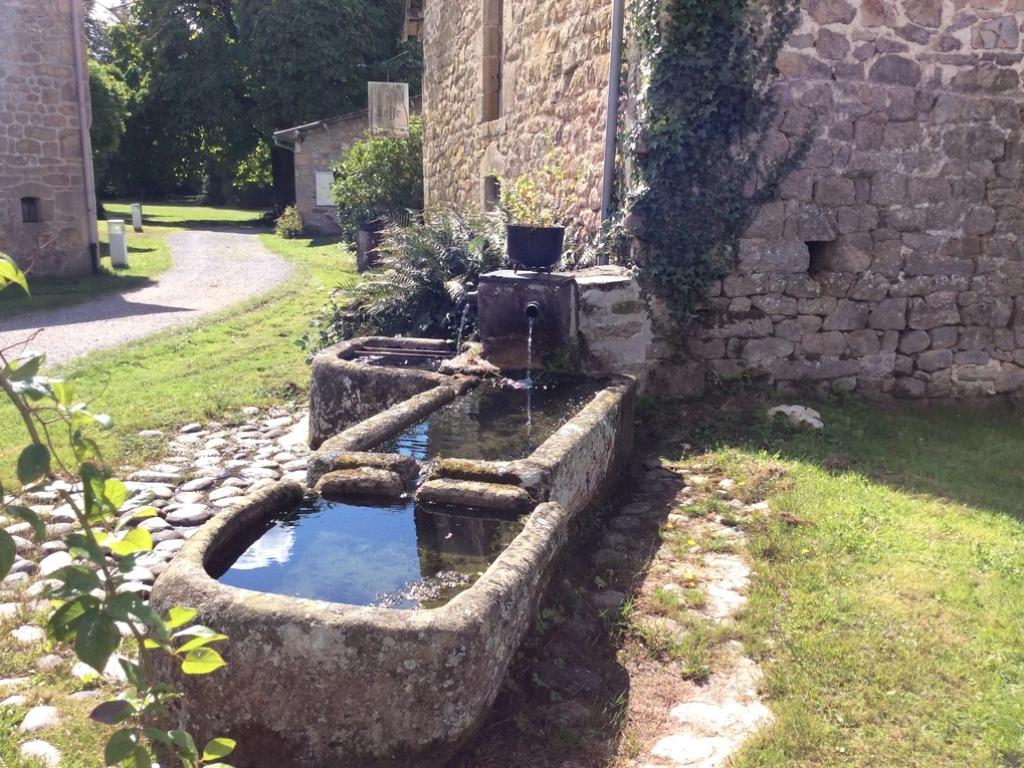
(137, 216)
(118, 247)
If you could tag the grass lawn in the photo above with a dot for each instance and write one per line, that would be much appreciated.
(244, 356)
(148, 256)
(889, 583)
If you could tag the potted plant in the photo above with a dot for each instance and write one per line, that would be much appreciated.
(535, 207)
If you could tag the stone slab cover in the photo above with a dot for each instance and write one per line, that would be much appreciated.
(389, 109)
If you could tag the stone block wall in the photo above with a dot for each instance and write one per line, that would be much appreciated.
(893, 261)
(41, 153)
(319, 148)
(553, 87)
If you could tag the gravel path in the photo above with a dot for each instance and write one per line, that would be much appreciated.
(212, 271)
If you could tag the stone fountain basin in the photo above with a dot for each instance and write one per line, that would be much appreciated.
(570, 468)
(313, 683)
(345, 390)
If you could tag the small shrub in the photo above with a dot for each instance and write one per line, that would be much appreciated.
(289, 225)
(423, 277)
(380, 178)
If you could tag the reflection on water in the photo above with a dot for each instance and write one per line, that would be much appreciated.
(367, 553)
(495, 422)
(397, 360)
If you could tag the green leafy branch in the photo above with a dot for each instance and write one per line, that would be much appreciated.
(89, 596)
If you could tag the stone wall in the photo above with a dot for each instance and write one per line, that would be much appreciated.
(40, 139)
(892, 262)
(319, 149)
(554, 81)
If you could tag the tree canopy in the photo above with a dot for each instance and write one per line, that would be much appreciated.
(210, 80)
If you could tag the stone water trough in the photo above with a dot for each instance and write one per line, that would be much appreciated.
(314, 682)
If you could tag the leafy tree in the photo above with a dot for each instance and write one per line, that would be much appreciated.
(379, 177)
(215, 78)
(111, 102)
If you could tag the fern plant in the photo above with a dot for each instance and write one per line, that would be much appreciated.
(423, 278)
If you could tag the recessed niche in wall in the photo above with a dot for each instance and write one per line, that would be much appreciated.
(30, 212)
(821, 256)
(492, 192)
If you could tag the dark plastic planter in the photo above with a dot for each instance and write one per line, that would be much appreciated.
(536, 248)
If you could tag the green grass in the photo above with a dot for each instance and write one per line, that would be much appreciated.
(187, 216)
(245, 356)
(148, 256)
(889, 585)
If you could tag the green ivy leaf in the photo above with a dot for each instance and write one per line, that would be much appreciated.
(218, 748)
(179, 617)
(96, 639)
(64, 621)
(63, 392)
(202, 661)
(201, 641)
(30, 517)
(112, 713)
(33, 463)
(120, 745)
(139, 758)
(10, 274)
(77, 580)
(8, 552)
(183, 742)
(25, 368)
(135, 541)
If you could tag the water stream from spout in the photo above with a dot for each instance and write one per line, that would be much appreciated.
(529, 381)
(462, 328)
(529, 355)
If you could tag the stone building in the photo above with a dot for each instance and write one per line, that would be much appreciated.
(892, 261)
(505, 84)
(48, 210)
(318, 147)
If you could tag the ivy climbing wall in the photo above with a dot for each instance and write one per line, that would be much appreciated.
(892, 259)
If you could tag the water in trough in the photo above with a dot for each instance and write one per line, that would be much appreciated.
(497, 421)
(395, 554)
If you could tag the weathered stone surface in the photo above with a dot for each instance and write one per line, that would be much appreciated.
(847, 316)
(43, 752)
(366, 663)
(895, 70)
(890, 314)
(365, 481)
(39, 718)
(831, 11)
(406, 467)
(934, 310)
(467, 493)
(766, 256)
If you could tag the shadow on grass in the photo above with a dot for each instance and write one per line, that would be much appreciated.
(565, 698)
(966, 452)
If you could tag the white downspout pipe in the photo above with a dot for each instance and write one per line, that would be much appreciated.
(84, 120)
(612, 122)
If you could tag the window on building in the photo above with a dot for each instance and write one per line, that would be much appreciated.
(492, 192)
(30, 213)
(493, 58)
